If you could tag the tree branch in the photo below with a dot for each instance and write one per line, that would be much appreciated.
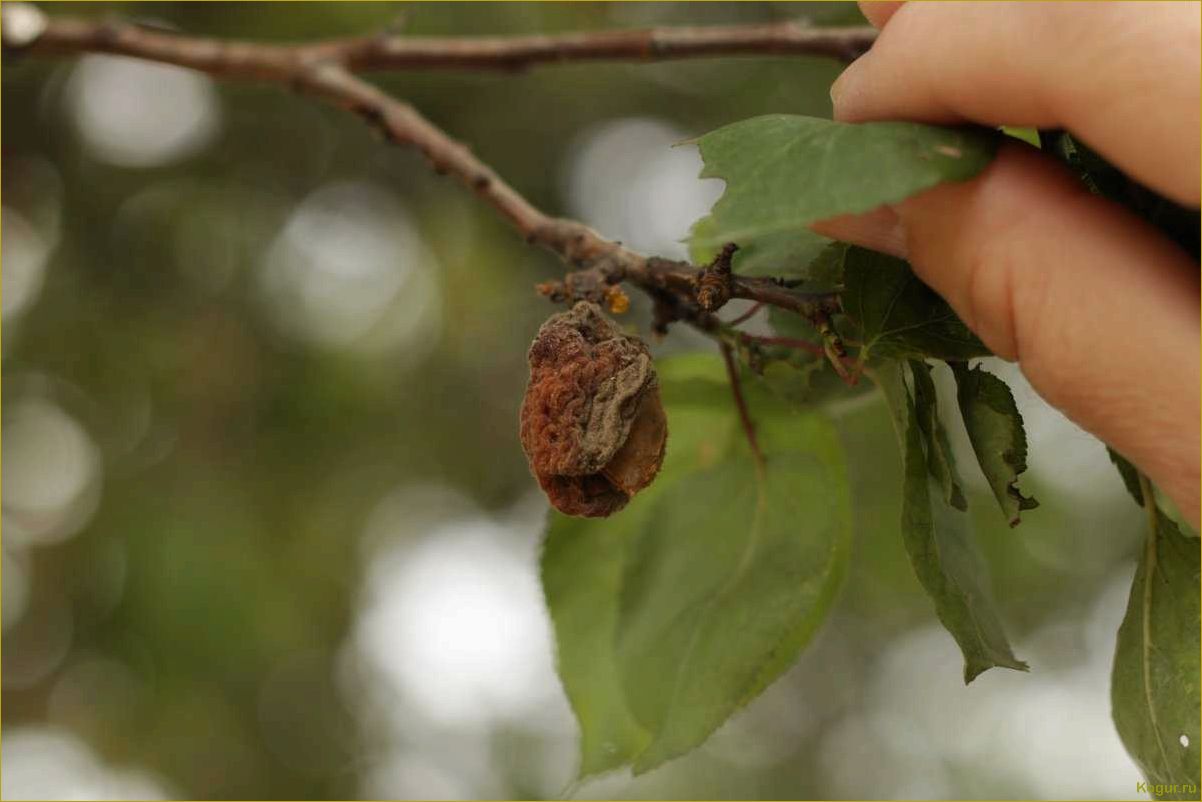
(324, 70)
(649, 44)
(391, 52)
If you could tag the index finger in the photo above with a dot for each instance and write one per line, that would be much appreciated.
(878, 12)
(1121, 76)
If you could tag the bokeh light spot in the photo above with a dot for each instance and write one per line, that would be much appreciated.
(48, 763)
(24, 252)
(627, 179)
(457, 623)
(132, 113)
(350, 263)
(51, 469)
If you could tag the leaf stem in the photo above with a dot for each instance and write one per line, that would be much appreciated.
(732, 372)
(787, 342)
(748, 315)
(848, 369)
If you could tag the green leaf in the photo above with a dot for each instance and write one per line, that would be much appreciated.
(784, 172)
(1154, 688)
(899, 316)
(1170, 510)
(938, 540)
(995, 429)
(583, 559)
(808, 383)
(787, 323)
(700, 241)
(706, 505)
(827, 266)
(790, 254)
(802, 378)
(940, 460)
(792, 382)
(581, 575)
(1129, 474)
(1028, 135)
(725, 585)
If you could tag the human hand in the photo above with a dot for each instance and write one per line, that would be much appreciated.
(1100, 310)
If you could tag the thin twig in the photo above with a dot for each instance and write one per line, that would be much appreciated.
(732, 372)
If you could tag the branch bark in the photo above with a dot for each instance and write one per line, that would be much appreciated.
(392, 52)
(326, 70)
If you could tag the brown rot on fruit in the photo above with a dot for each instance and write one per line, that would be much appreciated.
(592, 424)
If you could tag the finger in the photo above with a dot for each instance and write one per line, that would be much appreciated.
(1099, 310)
(878, 12)
(1122, 76)
(881, 230)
